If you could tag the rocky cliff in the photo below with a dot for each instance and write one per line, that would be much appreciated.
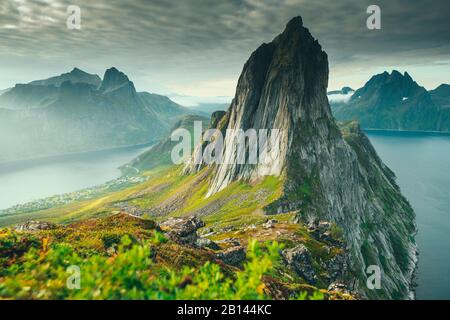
(329, 174)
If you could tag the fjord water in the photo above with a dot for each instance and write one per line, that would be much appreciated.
(421, 162)
(29, 180)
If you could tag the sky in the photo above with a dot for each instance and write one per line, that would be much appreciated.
(198, 47)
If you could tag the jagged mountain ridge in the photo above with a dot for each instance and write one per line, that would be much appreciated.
(394, 101)
(41, 93)
(74, 76)
(328, 174)
(64, 114)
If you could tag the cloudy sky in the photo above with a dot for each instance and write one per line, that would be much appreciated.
(198, 47)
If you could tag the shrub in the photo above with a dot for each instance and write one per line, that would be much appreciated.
(131, 274)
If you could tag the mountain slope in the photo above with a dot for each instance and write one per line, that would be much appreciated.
(328, 175)
(160, 154)
(441, 96)
(394, 101)
(26, 96)
(75, 116)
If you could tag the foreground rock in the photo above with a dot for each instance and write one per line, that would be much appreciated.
(205, 243)
(299, 259)
(340, 291)
(33, 225)
(183, 230)
(234, 256)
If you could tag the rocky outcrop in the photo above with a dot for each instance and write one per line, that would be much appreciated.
(234, 256)
(183, 230)
(33, 225)
(299, 259)
(205, 243)
(329, 175)
(216, 117)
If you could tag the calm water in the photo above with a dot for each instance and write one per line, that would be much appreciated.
(30, 180)
(421, 162)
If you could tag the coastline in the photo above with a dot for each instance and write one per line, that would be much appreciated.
(25, 161)
(374, 130)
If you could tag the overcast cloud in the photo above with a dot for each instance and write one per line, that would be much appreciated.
(198, 47)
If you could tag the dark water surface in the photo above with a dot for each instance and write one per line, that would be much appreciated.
(421, 162)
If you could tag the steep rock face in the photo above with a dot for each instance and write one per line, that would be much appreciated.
(283, 86)
(394, 101)
(113, 79)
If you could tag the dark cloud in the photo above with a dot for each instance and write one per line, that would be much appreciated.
(194, 46)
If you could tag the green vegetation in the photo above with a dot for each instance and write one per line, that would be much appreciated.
(132, 272)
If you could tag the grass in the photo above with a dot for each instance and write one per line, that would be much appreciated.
(235, 212)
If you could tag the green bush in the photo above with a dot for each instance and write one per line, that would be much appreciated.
(132, 274)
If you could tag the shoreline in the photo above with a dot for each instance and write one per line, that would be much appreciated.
(444, 133)
(69, 154)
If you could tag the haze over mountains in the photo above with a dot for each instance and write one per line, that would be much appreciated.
(78, 112)
(395, 101)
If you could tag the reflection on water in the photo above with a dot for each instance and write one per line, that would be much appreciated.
(24, 181)
(421, 162)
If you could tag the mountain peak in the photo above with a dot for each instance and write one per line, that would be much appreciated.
(74, 76)
(396, 73)
(295, 23)
(346, 90)
(113, 79)
(75, 70)
(282, 94)
(264, 100)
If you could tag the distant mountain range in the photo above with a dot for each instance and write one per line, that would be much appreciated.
(78, 112)
(395, 101)
(209, 108)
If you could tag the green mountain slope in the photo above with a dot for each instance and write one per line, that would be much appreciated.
(395, 102)
(160, 154)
